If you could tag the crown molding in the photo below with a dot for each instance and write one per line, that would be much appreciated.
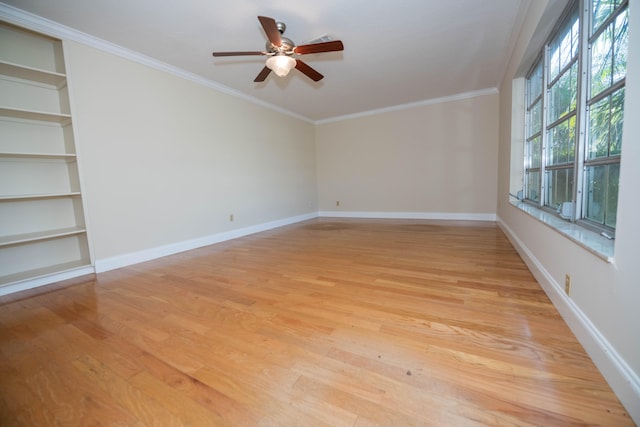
(433, 101)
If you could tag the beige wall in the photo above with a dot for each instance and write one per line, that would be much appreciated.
(603, 308)
(165, 160)
(439, 158)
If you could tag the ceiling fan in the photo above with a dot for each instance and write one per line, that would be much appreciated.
(281, 51)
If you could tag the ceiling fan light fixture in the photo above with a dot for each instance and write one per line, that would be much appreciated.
(281, 64)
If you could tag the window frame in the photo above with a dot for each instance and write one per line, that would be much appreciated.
(587, 36)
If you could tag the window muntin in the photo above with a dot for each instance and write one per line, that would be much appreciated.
(573, 140)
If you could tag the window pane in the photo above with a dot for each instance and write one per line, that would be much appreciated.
(564, 46)
(535, 118)
(601, 11)
(596, 193)
(605, 126)
(532, 153)
(534, 84)
(602, 194)
(621, 46)
(612, 196)
(601, 61)
(564, 94)
(599, 120)
(575, 35)
(533, 186)
(609, 54)
(562, 142)
(554, 63)
(559, 187)
(535, 152)
(617, 117)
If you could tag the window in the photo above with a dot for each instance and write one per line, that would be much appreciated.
(574, 114)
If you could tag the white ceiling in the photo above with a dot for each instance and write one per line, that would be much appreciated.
(396, 52)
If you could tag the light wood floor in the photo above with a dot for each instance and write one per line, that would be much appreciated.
(326, 322)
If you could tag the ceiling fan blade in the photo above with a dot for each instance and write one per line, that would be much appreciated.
(271, 29)
(237, 53)
(331, 46)
(308, 71)
(263, 75)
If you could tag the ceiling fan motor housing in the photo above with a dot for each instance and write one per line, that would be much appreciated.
(286, 46)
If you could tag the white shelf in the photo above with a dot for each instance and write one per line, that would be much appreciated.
(46, 156)
(41, 235)
(43, 272)
(33, 74)
(16, 197)
(41, 116)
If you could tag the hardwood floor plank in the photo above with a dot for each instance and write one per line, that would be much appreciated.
(187, 410)
(325, 322)
(225, 407)
(136, 401)
(269, 395)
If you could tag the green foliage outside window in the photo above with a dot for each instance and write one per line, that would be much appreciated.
(562, 140)
(605, 126)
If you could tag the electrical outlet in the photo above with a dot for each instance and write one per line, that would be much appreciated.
(567, 284)
(231, 217)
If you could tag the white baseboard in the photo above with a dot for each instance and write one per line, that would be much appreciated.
(119, 261)
(131, 258)
(411, 215)
(622, 379)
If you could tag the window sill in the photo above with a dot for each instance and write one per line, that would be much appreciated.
(589, 240)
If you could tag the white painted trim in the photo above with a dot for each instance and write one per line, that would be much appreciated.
(433, 101)
(622, 379)
(45, 280)
(131, 258)
(411, 215)
(42, 25)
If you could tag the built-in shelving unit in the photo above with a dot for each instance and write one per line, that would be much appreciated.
(42, 221)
